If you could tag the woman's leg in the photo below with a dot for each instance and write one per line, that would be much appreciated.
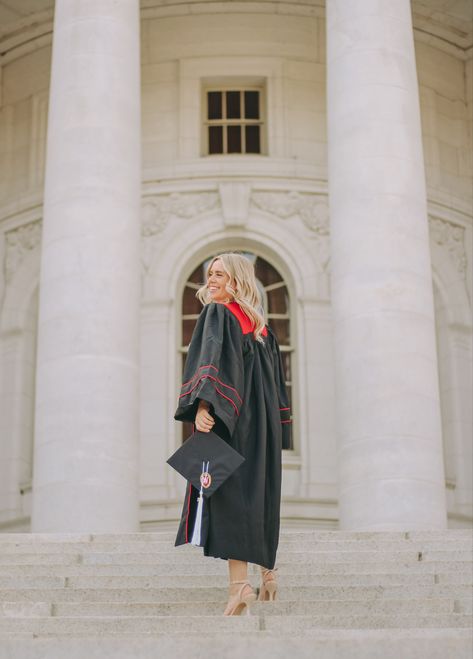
(269, 584)
(238, 572)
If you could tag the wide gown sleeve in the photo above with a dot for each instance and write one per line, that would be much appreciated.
(214, 370)
(283, 398)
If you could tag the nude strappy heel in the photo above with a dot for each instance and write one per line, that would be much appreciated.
(240, 601)
(269, 586)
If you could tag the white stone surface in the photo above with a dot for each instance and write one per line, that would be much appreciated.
(391, 473)
(86, 422)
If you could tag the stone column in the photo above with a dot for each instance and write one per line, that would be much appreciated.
(86, 426)
(388, 414)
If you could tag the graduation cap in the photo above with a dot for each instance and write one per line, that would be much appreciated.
(206, 461)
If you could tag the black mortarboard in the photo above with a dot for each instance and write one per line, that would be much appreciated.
(206, 461)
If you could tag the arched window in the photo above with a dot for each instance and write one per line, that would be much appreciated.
(276, 305)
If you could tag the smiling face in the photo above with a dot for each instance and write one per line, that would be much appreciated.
(217, 279)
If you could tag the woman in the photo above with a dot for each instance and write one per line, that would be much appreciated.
(234, 385)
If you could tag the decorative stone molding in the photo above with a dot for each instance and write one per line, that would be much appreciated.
(282, 204)
(235, 200)
(159, 209)
(450, 237)
(311, 208)
(316, 217)
(152, 221)
(20, 242)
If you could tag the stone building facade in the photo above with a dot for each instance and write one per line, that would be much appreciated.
(138, 141)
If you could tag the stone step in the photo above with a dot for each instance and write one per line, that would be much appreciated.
(302, 545)
(315, 633)
(452, 535)
(199, 580)
(38, 571)
(178, 557)
(217, 568)
(192, 593)
(320, 643)
(112, 579)
(305, 557)
(143, 624)
(340, 607)
(218, 623)
(296, 624)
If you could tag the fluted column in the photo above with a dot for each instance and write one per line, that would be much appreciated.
(86, 420)
(388, 414)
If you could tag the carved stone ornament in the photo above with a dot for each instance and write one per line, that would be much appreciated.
(157, 210)
(450, 237)
(20, 242)
(312, 210)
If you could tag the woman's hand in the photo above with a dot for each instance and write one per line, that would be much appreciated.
(204, 421)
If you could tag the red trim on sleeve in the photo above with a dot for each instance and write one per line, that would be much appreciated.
(197, 373)
(210, 377)
(285, 413)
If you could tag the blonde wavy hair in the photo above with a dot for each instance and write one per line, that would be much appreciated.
(241, 288)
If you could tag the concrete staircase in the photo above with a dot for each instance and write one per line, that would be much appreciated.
(357, 595)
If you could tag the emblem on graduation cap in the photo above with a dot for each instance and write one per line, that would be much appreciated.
(206, 478)
(206, 461)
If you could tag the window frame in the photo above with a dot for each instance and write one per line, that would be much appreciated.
(241, 87)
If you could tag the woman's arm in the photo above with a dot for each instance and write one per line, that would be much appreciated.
(213, 372)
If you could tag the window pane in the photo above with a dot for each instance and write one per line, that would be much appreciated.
(233, 105)
(187, 329)
(266, 273)
(286, 359)
(215, 139)
(278, 300)
(289, 395)
(252, 139)
(234, 139)
(251, 105)
(280, 327)
(214, 102)
(197, 277)
(190, 304)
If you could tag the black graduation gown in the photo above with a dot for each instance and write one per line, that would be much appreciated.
(243, 381)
